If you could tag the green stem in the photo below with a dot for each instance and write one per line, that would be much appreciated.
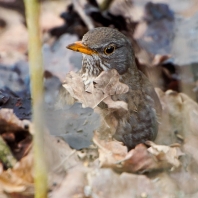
(36, 75)
(6, 156)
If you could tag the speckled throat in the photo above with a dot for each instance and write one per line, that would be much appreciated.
(92, 66)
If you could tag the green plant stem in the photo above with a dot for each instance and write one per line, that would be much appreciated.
(36, 75)
(6, 156)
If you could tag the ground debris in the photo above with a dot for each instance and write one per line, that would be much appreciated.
(141, 159)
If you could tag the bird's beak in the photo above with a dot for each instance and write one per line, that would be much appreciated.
(80, 47)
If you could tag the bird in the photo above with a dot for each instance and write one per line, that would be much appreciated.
(104, 49)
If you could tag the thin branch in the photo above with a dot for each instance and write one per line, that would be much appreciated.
(86, 19)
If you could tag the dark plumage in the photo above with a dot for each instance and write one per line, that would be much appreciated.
(106, 48)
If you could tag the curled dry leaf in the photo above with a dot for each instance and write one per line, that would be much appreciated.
(106, 84)
(168, 155)
(116, 105)
(75, 86)
(110, 152)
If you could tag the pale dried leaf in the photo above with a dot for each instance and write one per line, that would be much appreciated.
(120, 106)
(108, 82)
(110, 152)
(75, 86)
(167, 154)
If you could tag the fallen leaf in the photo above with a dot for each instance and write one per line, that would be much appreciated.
(110, 152)
(75, 86)
(120, 106)
(166, 154)
(108, 82)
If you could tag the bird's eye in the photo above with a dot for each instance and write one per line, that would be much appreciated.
(109, 50)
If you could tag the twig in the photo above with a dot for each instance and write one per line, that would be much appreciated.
(79, 9)
(36, 72)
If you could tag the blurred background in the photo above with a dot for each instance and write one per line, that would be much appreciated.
(164, 34)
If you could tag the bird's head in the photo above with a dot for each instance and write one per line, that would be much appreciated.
(106, 48)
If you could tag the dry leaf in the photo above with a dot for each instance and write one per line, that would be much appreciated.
(75, 86)
(120, 106)
(110, 152)
(166, 154)
(108, 82)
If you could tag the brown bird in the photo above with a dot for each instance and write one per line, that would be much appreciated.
(104, 49)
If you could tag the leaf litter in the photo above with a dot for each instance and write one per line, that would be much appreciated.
(160, 162)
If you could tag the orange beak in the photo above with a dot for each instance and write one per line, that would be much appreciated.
(78, 46)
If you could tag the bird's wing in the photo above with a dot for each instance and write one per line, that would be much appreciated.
(151, 92)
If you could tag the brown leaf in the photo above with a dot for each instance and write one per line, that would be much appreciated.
(168, 155)
(139, 160)
(120, 106)
(108, 82)
(75, 86)
(110, 152)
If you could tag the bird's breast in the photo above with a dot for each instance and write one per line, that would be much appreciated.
(90, 69)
